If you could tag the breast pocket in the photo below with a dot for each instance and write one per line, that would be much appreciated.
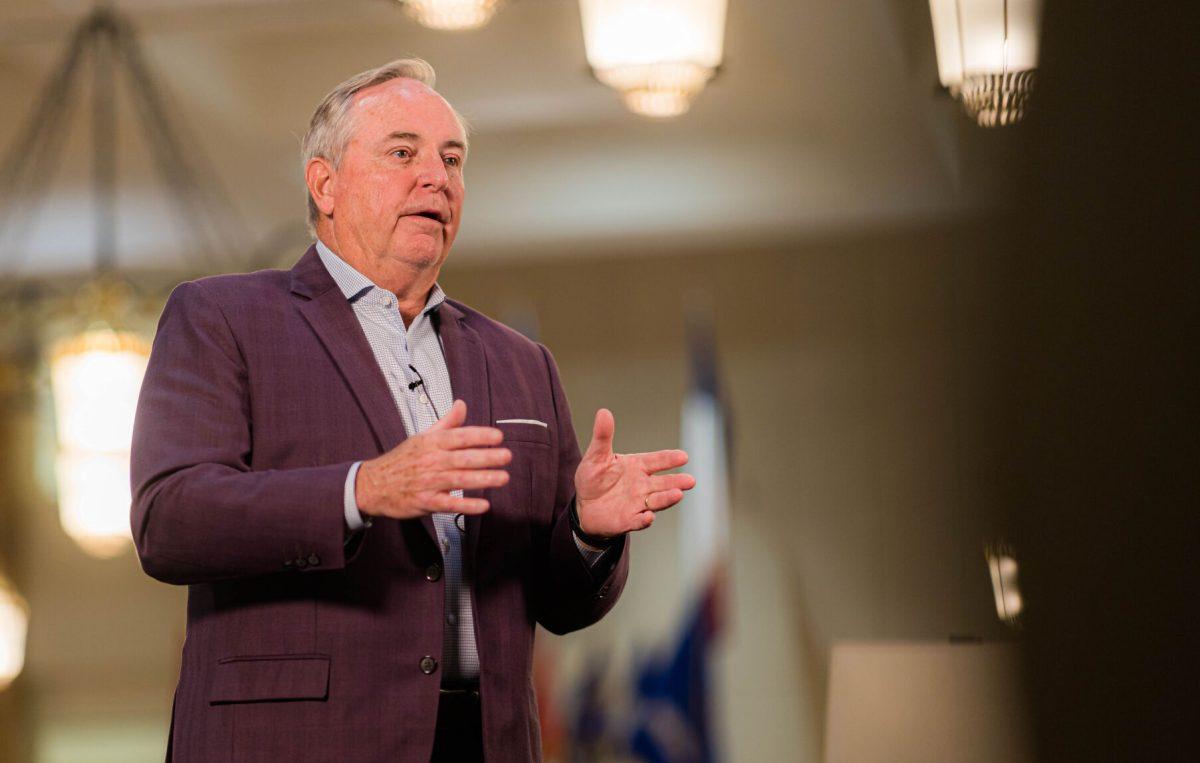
(529, 441)
(524, 430)
(515, 512)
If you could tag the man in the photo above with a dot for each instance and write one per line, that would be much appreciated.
(372, 491)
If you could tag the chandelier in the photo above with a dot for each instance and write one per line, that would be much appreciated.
(95, 377)
(987, 54)
(659, 54)
(96, 373)
(452, 15)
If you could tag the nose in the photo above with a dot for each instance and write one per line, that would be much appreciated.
(433, 174)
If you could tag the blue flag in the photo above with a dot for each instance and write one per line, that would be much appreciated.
(672, 709)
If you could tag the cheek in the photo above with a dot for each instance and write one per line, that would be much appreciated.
(358, 197)
(376, 201)
(380, 193)
(457, 197)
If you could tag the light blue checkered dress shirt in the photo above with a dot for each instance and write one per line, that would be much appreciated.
(407, 356)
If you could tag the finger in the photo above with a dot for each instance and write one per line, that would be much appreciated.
(672, 481)
(466, 479)
(478, 458)
(468, 437)
(643, 520)
(447, 503)
(664, 499)
(455, 417)
(602, 434)
(661, 460)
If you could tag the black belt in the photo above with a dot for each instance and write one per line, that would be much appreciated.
(459, 707)
(453, 694)
(459, 734)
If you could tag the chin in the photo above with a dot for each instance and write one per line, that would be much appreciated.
(422, 257)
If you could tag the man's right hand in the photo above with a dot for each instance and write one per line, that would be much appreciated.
(417, 476)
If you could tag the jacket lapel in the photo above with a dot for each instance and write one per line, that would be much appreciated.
(467, 363)
(332, 318)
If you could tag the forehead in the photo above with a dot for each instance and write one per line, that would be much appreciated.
(404, 105)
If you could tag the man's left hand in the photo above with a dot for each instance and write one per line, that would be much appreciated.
(617, 493)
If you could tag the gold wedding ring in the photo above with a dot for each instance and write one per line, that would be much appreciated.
(646, 501)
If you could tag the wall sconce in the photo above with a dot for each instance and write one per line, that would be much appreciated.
(659, 54)
(1003, 568)
(987, 54)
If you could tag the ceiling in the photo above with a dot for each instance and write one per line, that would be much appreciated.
(825, 117)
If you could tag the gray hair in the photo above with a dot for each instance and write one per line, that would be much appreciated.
(330, 127)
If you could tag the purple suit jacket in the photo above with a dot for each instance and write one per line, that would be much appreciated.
(260, 393)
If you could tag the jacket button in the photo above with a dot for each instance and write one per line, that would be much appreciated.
(433, 573)
(314, 560)
(428, 665)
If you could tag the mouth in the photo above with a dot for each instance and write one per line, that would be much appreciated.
(429, 214)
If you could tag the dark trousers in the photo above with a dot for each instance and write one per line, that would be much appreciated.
(459, 737)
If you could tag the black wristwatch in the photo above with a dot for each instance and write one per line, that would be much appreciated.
(595, 541)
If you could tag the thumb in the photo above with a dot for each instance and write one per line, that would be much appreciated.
(455, 417)
(602, 434)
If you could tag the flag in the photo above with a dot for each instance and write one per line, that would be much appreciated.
(704, 527)
(591, 725)
(675, 693)
(545, 685)
(673, 722)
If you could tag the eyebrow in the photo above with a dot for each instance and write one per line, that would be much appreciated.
(413, 136)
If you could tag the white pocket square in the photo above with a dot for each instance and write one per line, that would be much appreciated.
(535, 422)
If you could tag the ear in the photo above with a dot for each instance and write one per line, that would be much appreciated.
(321, 178)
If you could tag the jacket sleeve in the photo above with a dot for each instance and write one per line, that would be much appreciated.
(199, 513)
(571, 594)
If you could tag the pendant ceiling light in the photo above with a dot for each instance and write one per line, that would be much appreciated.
(14, 624)
(96, 374)
(452, 15)
(658, 54)
(95, 377)
(987, 53)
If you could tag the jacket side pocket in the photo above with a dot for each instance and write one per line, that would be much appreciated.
(270, 678)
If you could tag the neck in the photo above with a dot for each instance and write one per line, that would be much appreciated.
(410, 283)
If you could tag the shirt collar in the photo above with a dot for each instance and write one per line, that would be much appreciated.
(355, 285)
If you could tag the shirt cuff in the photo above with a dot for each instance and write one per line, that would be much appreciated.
(354, 519)
(591, 554)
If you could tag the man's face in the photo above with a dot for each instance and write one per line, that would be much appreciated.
(399, 188)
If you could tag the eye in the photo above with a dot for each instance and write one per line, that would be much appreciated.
(453, 161)
(403, 153)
